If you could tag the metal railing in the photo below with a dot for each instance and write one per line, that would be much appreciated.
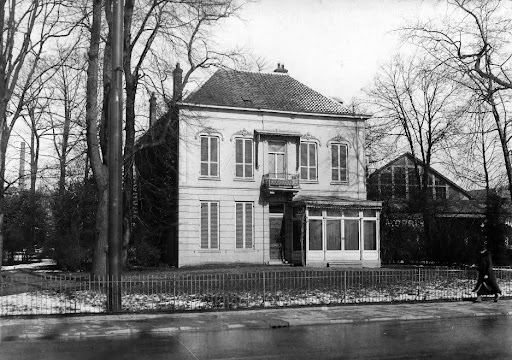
(281, 181)
(40, 294)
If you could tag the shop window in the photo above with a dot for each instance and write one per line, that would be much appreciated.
(351, 234)
(315, 235)
(333, 229)
(370, 235)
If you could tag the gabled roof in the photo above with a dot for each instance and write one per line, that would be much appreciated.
(422, 164)
(269, 91)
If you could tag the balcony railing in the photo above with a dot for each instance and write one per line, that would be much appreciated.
(281, 182)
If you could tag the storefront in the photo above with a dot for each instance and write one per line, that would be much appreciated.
(330, 231)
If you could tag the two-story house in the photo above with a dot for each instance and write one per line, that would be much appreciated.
(271, 172)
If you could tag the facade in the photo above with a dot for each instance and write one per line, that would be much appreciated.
(397, 181)
(272, 172)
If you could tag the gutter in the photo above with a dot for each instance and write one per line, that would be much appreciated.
(360, 117)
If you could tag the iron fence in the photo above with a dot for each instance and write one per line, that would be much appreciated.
(40, 294)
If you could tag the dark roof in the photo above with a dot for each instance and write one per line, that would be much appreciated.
(421, 163)
(269, 91)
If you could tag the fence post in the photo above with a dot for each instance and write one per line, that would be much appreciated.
(419, 284)
(345, 286)
(264, 289)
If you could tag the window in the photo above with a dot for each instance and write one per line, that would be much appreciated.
(277, 159)
(209, 225)
(351, 234)
(243, 158)
(333, 229)
(315, 235)
(244, 221)
(440, 187)
(370, 234)
(400, 183)
(308, 167)
(386, 184)
(209, 156)
(339, 162)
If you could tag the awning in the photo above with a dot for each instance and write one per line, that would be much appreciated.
(332, 201)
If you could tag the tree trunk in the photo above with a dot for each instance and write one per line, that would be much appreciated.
(99, 169)
(131, 90)
(99, 264)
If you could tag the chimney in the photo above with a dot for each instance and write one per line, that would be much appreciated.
(152, 109)
(22, 166)
(280, 69)
(177, 76)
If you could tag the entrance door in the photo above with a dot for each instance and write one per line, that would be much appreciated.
(276, 223)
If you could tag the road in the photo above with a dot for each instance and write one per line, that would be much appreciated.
(463, 338)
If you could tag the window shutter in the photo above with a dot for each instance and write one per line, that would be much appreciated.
(239, 225)
(248, 225)
(214, 225)
(204, 225)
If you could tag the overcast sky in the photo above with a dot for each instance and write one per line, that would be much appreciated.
(333, 46)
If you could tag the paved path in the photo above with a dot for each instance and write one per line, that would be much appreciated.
(128, 325)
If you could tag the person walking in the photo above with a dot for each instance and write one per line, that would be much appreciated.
(486, 283)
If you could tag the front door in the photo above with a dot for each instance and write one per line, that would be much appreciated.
(277, 232)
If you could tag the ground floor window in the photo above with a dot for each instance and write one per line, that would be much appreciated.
(370, 235)
(341, 230)
(244, 225)
(209, 225)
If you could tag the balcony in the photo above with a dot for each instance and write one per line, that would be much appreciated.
(281, 182)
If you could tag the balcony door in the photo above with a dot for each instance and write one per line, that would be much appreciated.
(277, 159)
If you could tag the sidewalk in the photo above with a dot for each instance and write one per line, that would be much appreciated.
(128, 325)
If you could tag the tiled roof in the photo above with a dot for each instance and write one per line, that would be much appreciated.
(269, 91)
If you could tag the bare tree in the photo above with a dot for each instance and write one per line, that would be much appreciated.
(475, 51)
(423, 108)
(26, 28)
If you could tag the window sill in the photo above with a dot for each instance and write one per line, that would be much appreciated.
(244, 179)
(209, 250)
(339, 182)
(216, 178)
(239, 250)
(308, 181)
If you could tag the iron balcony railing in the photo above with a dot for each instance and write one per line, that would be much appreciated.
(281, 181)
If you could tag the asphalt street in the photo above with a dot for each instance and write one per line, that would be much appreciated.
(452, 338)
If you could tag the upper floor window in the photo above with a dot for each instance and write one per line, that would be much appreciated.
(308, 161)
(339, 162)
(277, 159)
(243, 158)
(210, 156)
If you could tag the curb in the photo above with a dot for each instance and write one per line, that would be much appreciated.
(249, 323)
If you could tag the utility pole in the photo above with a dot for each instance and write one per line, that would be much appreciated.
(115, 162)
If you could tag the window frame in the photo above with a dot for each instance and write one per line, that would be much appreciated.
(209, 162)
(308, 166)
(209, 225)
(243, 163)
(245, 246)
(339, 169)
